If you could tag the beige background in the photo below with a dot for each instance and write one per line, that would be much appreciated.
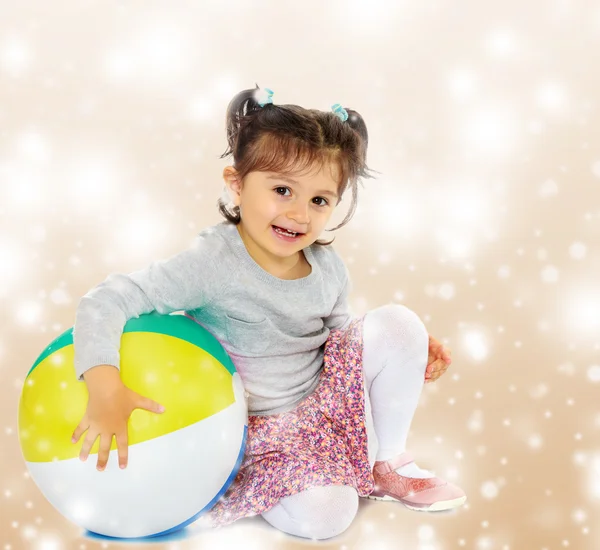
(484, 122)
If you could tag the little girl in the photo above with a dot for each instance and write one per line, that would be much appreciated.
(323, 386)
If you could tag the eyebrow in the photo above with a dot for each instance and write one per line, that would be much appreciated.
(293, 181)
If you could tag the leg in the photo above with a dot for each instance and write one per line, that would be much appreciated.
(317, 513)
(395, 354)
(394, 360)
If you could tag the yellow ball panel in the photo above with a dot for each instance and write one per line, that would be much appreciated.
(187, 380)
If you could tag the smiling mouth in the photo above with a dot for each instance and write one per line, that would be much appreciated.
(286, 232)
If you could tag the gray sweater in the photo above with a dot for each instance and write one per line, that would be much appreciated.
(273, 329)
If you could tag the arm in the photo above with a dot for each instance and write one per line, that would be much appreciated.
(341, 316)
(184, 281)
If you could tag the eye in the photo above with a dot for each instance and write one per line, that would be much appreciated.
(324, 203)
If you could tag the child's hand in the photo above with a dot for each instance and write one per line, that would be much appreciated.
(107, 413)
(438, 361)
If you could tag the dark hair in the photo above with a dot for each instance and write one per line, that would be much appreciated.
(287, 138)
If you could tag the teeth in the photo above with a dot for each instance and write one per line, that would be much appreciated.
(285, 232)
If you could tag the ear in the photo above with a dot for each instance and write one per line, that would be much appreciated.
(233, 183)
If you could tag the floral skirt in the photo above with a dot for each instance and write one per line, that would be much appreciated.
(323, 441)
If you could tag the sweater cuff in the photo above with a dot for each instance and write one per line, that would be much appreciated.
(107, 359)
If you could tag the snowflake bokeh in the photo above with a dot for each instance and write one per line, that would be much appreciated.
(485, 221)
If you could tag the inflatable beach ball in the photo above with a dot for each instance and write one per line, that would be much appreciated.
(180, 462)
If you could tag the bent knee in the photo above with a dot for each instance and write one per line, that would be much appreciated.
(332, 512)
(317, 513)
(399, 327)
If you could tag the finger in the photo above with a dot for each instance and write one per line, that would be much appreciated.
(123, 448)
(81, 428)
(433, 343)
(442, 355)
(88, 443)
(432, 367)
(149, 405)
(437, 366)
(437, 369)
(103, 452)
(438, 373)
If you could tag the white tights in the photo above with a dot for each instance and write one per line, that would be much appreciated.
(395, 350)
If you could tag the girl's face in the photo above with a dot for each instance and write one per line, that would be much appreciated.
(300, 203)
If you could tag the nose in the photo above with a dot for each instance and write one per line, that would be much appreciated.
(299, 214)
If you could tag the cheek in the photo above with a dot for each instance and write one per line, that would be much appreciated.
(325, 214)
(270, 206)
(267, 207)
(260, 202)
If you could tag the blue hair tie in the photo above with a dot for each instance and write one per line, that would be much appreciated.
(269, 99)
(340, 112)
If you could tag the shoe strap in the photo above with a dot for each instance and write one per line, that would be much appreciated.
(387, 466)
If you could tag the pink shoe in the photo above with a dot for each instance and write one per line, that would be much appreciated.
(425, 495)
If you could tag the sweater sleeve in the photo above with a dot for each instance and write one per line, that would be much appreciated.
(341, 316)
(183, 282)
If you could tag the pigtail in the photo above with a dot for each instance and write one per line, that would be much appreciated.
(240, 112)
(357, 123)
